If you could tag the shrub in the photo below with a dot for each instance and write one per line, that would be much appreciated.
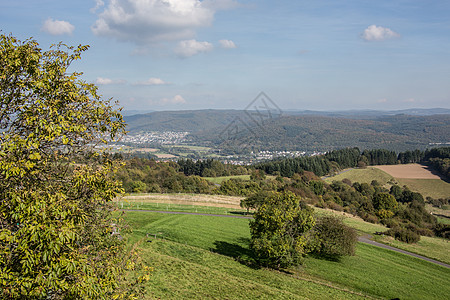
(403, 235)
(334, 238)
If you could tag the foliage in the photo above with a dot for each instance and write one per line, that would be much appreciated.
(278, 230)
(385, 204)
(58, 238)
(334, 238)
(403, 234)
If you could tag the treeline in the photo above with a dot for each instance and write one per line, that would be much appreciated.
(209, 168)
(337, 160)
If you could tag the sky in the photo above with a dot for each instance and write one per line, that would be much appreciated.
(220, 54)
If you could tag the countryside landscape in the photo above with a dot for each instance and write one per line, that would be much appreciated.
(223, 149)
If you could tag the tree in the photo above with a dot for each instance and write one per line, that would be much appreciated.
(385, 204)
(278, 230)
(334, 238)
(56, 222)
(254, 201)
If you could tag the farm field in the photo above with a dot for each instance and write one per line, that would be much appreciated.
(412, 171)
(416, 177)
(184, 199)
(200, 257)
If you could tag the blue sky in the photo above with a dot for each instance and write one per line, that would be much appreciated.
(190, 54)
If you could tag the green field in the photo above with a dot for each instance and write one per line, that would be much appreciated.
(434, 188)
(362, 175)
(432, 247)
(218, 180)
(180, 208)
(199, 257)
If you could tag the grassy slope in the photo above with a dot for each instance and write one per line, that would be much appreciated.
(197, 259)
(432, 247)
(219, 179)
(434, 188)
(436, 248)
(362, 175)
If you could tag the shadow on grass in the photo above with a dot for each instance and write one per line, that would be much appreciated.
(241, 213)
(241, 254)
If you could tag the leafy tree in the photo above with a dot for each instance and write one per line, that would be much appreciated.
(385, 204)
(255, 201)
(334, 238)
(278, 230)
(56, 226)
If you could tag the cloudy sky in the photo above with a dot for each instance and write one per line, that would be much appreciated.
(191, 54)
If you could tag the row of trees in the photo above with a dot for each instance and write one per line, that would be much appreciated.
(352, 157)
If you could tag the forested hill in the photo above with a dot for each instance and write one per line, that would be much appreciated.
(184, 120)
(301, 132)
(318, 133)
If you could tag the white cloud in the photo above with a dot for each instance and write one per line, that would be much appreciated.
(150, 21)
(152, 81)
(108, 81)
(227, 44)
(57, 27)
(98, 4)
(178, 99)
(378, 33)
(192, 47)
(410, 100)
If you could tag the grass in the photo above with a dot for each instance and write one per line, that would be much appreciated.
(199, 258)
(434, 188)
(181, 208)
(218, 180)
(432, 247)
(362, 175)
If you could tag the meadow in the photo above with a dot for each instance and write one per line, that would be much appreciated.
(432, 247)
(362, 175)
(209, 257)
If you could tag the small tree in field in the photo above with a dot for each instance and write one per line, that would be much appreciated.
(278, 228)
(56, 225)
(334, 238)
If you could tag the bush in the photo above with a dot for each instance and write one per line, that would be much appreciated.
(442, 230)
(334, 238)
(403, 235)
(370, 218)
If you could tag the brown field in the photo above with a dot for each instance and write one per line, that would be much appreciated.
(189, 199)
(145, 150)
(165, 155)
(412, 171)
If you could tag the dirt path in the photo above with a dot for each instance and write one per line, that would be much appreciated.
(362, 239)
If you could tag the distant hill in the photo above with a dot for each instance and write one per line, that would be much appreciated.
(398, 130)
(184, 120)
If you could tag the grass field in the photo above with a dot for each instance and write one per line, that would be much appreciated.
(432, 247)
(198, 257)
(362, 175)
(218, 180)
(434, 188)
(435, 248)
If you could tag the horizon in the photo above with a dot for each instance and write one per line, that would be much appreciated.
(219, 54)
